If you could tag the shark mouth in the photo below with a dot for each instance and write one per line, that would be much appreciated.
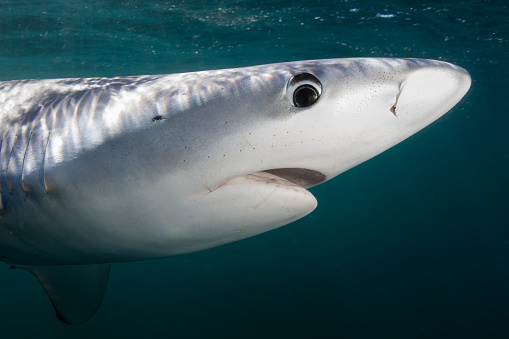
(299, 177)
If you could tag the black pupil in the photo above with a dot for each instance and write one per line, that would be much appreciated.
(305, 96)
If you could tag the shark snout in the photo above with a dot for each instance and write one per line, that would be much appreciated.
(429, 92)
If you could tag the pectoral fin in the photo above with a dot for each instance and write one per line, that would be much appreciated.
(76, 291)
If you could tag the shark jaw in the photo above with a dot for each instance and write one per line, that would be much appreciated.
(280, 195)
(270, 198)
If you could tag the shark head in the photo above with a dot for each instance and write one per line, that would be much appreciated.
(293, 126)
(147, 167)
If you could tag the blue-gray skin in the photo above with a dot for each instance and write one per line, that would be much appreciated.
(102, 170)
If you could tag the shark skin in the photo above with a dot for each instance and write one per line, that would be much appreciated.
(101, 170)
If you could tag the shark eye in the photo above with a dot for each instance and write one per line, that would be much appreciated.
(303, 90)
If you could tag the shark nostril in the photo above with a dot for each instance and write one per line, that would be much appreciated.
(393, 107)
(393, 110)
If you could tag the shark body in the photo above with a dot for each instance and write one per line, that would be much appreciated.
(102, 170)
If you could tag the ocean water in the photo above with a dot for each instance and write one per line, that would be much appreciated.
(411, 244)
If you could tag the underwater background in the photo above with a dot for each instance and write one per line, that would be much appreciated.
(411, 244)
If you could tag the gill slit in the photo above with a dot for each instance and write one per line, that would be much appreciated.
(10, 186)
(23, 164)
(43, 172)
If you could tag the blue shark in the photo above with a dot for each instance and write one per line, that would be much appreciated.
(101, 170)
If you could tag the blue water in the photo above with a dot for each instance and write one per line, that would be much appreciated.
(411, 244)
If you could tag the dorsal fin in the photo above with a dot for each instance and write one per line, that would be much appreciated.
(76, 291)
